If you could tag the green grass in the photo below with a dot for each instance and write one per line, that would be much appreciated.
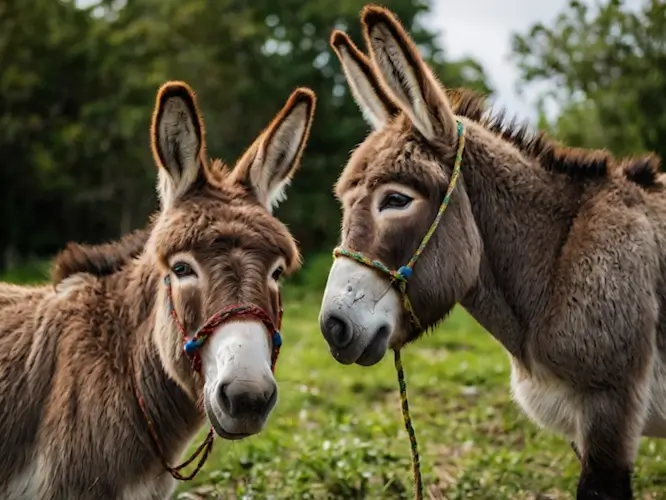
(337, 431)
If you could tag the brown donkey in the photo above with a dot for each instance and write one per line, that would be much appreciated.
(558, 253)
(96, 392)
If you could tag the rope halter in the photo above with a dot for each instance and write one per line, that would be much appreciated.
(402, 275)
(191, 347)
(399, 278)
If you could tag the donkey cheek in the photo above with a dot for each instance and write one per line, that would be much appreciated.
(191, 312)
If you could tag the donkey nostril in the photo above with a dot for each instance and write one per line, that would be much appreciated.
(223, 399)
(338, 331)
(240, 399)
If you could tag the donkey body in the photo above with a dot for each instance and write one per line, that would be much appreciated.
(560, 254)
(75, 360)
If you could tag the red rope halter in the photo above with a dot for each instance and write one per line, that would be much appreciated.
(191, 347)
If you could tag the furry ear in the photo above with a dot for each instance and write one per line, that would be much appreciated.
(270, 162)
(177, 140)
(404, 72)
(375, 104)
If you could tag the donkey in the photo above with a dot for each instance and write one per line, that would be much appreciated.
(558, 253)
(97, 396)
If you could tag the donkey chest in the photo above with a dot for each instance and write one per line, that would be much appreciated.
(552, 404)
(655, 421)
(546, 400)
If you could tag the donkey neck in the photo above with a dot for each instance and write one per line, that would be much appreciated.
(172, 411)
(523, 214)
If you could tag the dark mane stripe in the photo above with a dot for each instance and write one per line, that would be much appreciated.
(643, 170)
(552, 156)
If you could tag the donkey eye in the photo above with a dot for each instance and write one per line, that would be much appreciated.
(182, 270)
(395, 200)
(277, 274)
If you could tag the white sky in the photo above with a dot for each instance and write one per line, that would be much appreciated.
(483, 29)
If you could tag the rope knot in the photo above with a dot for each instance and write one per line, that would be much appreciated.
(192, 345)
(406, 272)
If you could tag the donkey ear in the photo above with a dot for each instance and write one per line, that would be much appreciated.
(177, 140)
(375, 104)
(270, 162)
(404, 72)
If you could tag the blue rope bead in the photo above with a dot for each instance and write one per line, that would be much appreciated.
(277, 339)
(191, 346)
(405, 272)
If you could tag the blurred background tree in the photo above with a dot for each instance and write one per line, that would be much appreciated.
(606, 68)
(78, 83)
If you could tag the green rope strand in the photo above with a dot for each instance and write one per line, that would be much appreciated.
(416, 462)
(445, 201)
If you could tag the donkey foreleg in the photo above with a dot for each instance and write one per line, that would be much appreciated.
(610, 430)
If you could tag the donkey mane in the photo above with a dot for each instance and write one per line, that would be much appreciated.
(99, 260)
(580, 163)
(108, 258)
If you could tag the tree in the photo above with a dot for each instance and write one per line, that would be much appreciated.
(608, 68)
(78, 86)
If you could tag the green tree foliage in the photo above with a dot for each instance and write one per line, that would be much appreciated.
(78, 82)
(607, 65)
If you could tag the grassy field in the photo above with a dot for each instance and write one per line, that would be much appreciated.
(337, 431)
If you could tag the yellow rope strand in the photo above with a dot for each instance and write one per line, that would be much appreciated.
(416, 463)
(445, 201)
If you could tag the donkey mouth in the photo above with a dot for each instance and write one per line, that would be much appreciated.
(376, 350)
(219, 430)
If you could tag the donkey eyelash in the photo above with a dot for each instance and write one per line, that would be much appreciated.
(395, 200)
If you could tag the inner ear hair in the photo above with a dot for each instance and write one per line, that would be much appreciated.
(268, 165)
(177, 138)
(405, 74)
(364, 83)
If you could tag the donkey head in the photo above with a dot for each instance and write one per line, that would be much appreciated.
(217, 245)
(390, 191)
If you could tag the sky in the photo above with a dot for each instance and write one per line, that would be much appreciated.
(483, 29)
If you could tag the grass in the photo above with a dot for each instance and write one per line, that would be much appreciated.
(337, 431)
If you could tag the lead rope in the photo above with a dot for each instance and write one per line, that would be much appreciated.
(404, 403)
(400, 278)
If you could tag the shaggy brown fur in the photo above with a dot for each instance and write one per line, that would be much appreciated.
(98, 260)
(551, 155)
(567, 274)
(71, 358)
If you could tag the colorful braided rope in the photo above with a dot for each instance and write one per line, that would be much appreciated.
(400, 278)
(191, 347)
(404, 404)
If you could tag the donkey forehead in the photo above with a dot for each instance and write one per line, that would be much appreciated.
(199, 226)
(395, 154)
